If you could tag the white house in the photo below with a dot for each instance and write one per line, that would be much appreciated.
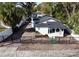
(46, 25)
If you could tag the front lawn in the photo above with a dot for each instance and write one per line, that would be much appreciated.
(2, 29)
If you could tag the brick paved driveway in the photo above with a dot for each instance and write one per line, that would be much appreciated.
(27, 50)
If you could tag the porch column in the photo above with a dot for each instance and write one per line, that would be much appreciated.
(32, 21)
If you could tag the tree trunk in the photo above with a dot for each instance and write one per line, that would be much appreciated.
(66, 9)
(73, 11)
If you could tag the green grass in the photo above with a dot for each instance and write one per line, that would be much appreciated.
(2, 29)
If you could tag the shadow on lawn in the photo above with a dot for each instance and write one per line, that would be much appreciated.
(17, 34)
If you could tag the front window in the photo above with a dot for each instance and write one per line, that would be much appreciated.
(62, 29)
(57, 30)
(51, 30)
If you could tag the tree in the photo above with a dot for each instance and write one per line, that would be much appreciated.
(5, 11)
(11, 15)
(45, 8)
(53, 9)
(66, 12)
(74, 22)
(28, 6)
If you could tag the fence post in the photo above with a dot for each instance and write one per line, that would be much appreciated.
(12, 38)
(3, 38)
(70, 40)
(20, 40)
(59, 40)
(31, 39)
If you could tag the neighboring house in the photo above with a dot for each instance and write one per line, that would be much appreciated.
(46, 25)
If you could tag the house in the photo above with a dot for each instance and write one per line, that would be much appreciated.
(46, 25)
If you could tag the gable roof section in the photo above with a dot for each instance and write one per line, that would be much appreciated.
(44, 18)
(56, 25)
(51, 25)
(41, 25)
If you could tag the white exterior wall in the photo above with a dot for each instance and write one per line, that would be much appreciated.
(42, 31)
(36, 28)
(55, 34)
(5, 33)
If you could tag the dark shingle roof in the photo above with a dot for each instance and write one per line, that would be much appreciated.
(44, 18)
(41, 25)
(51, 25)
(56, 25)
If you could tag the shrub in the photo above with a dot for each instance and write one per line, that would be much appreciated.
(76, 30)
(53, 41)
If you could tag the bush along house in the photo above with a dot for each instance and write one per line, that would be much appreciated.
(46, 25)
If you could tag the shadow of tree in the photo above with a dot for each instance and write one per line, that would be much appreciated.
(30, 30)
(17, 35)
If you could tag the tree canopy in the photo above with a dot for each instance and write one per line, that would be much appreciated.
(11, 15)
(66, 12)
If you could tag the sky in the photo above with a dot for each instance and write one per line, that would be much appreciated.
(38, 3)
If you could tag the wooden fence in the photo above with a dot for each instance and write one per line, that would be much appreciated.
(58, 40)
(66, 40)
(47, 40)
